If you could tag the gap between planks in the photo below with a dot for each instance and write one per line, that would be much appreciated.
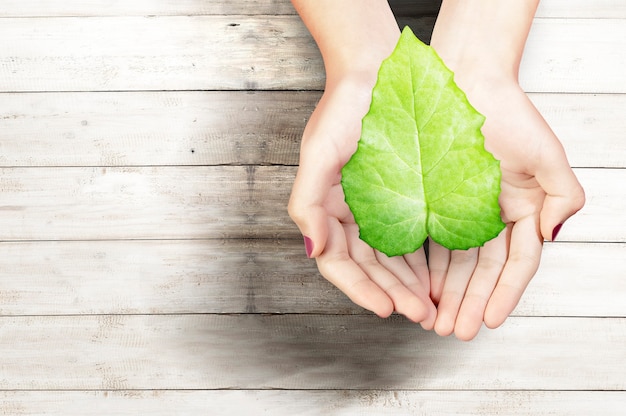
(235, 128)
(30, 8)
(314, 402)
(213, 202)
(179, 53)
(257, 276)
(306, 351)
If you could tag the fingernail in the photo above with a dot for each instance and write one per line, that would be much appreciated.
(556, 230)
(308, 245)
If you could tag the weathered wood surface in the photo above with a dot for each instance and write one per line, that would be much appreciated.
(196, 128)
(590, 126)
(34, 8)
(546, 66)
(30, 8)
(180, 52)
(153, 128)
(136, 268)
(268, 52)
(190, 202)
(38, 8)
(256, 276)
(156, 352)
(596, 9)
(315, 402)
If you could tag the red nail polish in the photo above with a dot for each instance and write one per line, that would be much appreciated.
(308, 245)
(556, 230)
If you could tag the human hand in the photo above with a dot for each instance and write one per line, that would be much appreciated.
(539, 192)
(482, 42)
(354, 36)
(369, 278)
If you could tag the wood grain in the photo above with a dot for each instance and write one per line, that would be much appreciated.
(598, 9)
(148, 265)
(570, 55)
(236, 127)
(590, 126)
(34, 8)
(305, 351)
(256, 276)
(269, 52)
(173, 52)
(314, 402)
(31, 8)
(182, 202)
(153, 128)
(140, 203)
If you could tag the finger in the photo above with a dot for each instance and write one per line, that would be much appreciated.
(564, 194)
(491, 259)
(316, 175)
(462, 265)
(404, 300)
(418, 263)
(338, 268)
(405, 274)
(521, 266)
(438, 263)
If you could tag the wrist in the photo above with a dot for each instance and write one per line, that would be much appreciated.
(353, 36)
(482, 41)
(357, 61)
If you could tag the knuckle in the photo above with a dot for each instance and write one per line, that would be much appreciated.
(330, 264)
(296, 211)
(490, 263)
(579, 199)
(531, 260)
(463, 256)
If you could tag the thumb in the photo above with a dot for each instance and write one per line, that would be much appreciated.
(315, 177)
(556, 210)
(565, 196)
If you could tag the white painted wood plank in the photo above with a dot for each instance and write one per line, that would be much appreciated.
(273, 52)
(236, 127)
(213, 202)
(181, 53)
(153, 128)
(38, 8)
(591, 127)
(256, 276)
(200, 276)
(157, 203)
(596, 9)
(310, 403)
(604, 213)
(29, 8)
(575, 55)
(578, 280)
(306, 352)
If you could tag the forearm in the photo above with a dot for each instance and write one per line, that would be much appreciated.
(354, 36)
(485, 36)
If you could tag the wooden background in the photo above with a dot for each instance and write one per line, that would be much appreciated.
(148, 264)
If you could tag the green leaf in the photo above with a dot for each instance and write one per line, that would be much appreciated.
(421, 167)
